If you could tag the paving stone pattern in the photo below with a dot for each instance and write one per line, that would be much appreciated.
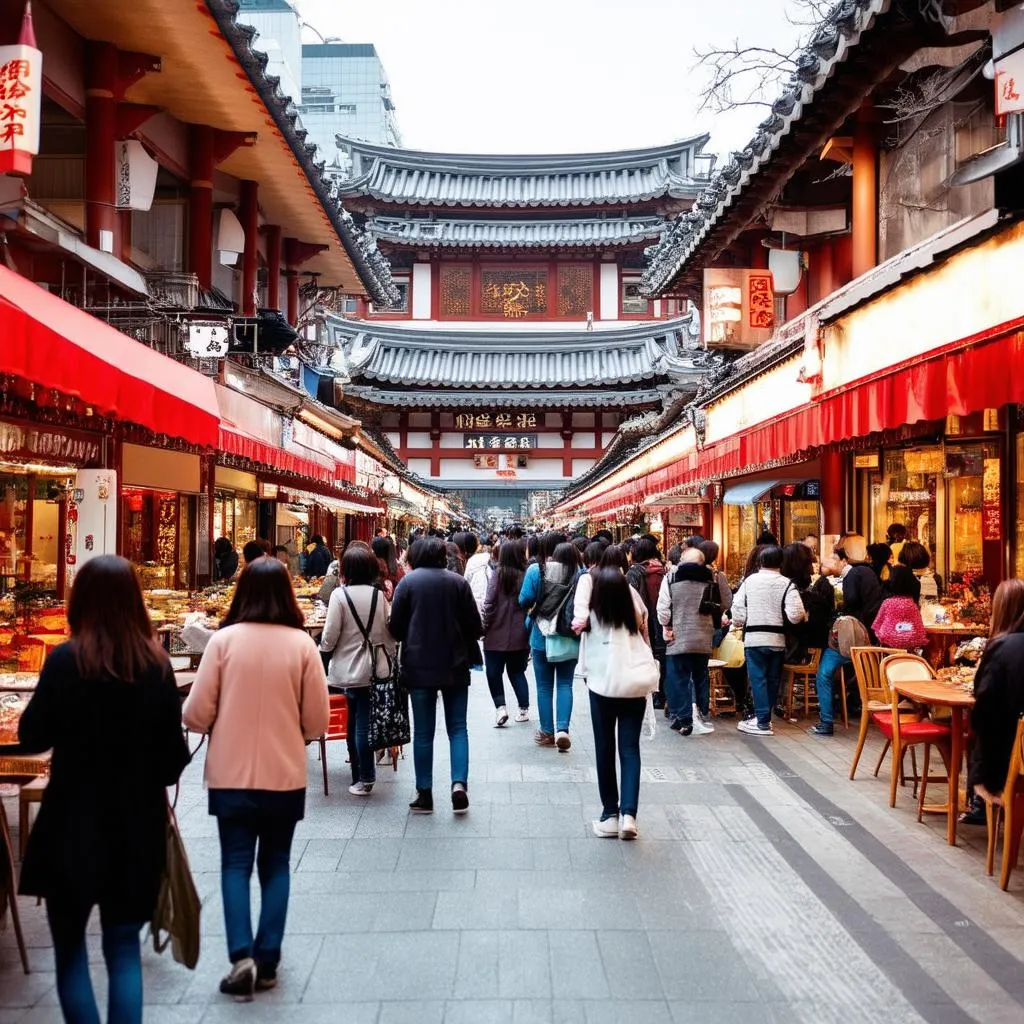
(766, 887)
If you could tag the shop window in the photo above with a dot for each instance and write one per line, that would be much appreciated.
(744, 524)
(800, 519)
(150, 535)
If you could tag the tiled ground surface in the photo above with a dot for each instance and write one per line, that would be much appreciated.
(766, 887)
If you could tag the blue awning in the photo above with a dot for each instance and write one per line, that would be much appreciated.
(749, 492)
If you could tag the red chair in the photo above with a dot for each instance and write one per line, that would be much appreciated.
(337, 728)
(902, 668)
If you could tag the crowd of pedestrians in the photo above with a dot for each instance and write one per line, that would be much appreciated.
(635, 628)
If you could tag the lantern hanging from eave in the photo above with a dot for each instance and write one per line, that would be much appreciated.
(21, 95)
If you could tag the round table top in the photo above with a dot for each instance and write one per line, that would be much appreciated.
(934, 691)
(956, 628)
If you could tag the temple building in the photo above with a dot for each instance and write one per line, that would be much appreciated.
(520, 341)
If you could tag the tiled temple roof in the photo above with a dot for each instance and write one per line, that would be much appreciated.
(442, 179)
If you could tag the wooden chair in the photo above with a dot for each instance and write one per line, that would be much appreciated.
(337, 729)
(1008, 805)
(874, 695)
(904, 733)
(806, 672)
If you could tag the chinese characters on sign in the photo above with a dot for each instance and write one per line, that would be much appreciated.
(739, 307)
(500, 421)
(514, 294)
(20, 98)
(761, 301)
(496, 442)
(991, 515)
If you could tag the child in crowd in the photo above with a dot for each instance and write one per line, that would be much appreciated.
(899, 623)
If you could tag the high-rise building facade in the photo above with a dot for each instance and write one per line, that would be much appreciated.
(280, 38)
(345, 91)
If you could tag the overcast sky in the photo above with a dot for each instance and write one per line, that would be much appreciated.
(549, 76)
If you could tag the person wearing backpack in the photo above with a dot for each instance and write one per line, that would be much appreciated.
(645, 576)
(689, 610)
(899, 623)
(354, 633)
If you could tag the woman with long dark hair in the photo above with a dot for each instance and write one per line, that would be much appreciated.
(387, 559)
(261, 694)
(506, 638)
(617, 698)
(552, 576)
(108, 708)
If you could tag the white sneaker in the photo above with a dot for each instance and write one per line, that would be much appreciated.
(523, 715)
(361, 788)
(627, 827)
(500, 717)
(701, 726)
(607, 829)
(750, 726)
(562, 741)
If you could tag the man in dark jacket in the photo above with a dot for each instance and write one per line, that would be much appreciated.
(435, 618)
(318, 561)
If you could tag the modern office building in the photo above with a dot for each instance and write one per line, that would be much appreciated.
(280, 38)
(345, 91)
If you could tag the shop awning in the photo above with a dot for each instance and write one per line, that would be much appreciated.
(349, 505)
(263, 455)
(748, 492)
(673, 500)
(56, 345)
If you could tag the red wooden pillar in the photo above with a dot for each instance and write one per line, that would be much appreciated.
(273, 266)
(200, 204)
(865, 195)
(250, 218)
(566, 434)
(435, 444)
(833, 491)
(292, 313)
(101, 229)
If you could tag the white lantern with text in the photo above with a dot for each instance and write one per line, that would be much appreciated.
(21, 95)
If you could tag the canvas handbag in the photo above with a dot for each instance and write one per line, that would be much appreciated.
(619, 663)
(176, 916)
(731, 650)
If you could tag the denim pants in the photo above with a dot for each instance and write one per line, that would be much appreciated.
(830, 661)
(687, 685)
(554, 687)
(764, 670)
(424, 721)
(255, 826)
(364, 768)
(514, 662)
(628, 714)
(120, 952)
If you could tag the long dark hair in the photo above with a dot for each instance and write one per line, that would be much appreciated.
(798, 564)
(566, 556)
(753, 560)
(511, 567)
(611, 601)
(264, 594)
(109, 623)
(1008, 608)
(549, 543)
(384, 549)
(615, 557)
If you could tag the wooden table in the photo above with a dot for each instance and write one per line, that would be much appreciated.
(950, 635)
(936, 693)
(716, 683)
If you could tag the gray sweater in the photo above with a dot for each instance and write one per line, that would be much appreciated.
(679, 609)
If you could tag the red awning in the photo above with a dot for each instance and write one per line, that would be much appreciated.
(272, 458)
(56, 345)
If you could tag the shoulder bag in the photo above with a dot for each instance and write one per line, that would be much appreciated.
(626, 665)
(175, 921)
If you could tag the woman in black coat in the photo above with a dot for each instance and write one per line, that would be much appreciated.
(108, 708)
(435, 618)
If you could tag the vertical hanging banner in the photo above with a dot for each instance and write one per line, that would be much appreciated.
(21, 95)
(739, 307)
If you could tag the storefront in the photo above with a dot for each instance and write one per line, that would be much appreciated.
(235, 507)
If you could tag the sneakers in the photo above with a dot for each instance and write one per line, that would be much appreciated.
(361, 788)
(606, 829)
(751, 727)
(266, 977)
(543, 739)
(240, 981)
(500, 717)
(424, 802)
(562, 741)
(701, 726)
(821, 729)
(685, 730)
(627, 827)
(460, 799)
(523, 715)
(676, 724)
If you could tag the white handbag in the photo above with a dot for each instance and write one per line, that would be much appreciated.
(618, 663)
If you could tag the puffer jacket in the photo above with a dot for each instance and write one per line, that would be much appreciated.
(679, 608)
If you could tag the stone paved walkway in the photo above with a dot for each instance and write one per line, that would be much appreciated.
(766, 887)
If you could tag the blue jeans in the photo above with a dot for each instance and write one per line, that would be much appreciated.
(256, 830)
(514, 662)
(687, 684)
(830, 661)
(364, 768)
(764, 670)
(424, 720)
(123, 959)
(554, 692)
(628, 713)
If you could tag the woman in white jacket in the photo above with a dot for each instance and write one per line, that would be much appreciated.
(355, 631)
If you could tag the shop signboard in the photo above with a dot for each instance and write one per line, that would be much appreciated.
(991, 507)
(496, 442)
(497, 421)
(21, 95)
(739, 308)
(49, 444)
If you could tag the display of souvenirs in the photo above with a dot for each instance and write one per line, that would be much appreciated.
(969, 599)
(11, 707)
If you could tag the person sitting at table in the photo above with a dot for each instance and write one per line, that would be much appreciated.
(999, 698)
(899, 623)
(914, 555)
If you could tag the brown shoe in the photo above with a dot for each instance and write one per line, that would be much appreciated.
(544, 739)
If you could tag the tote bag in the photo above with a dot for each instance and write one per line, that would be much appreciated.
(176, 916)
(389, 706)
(619, 663)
